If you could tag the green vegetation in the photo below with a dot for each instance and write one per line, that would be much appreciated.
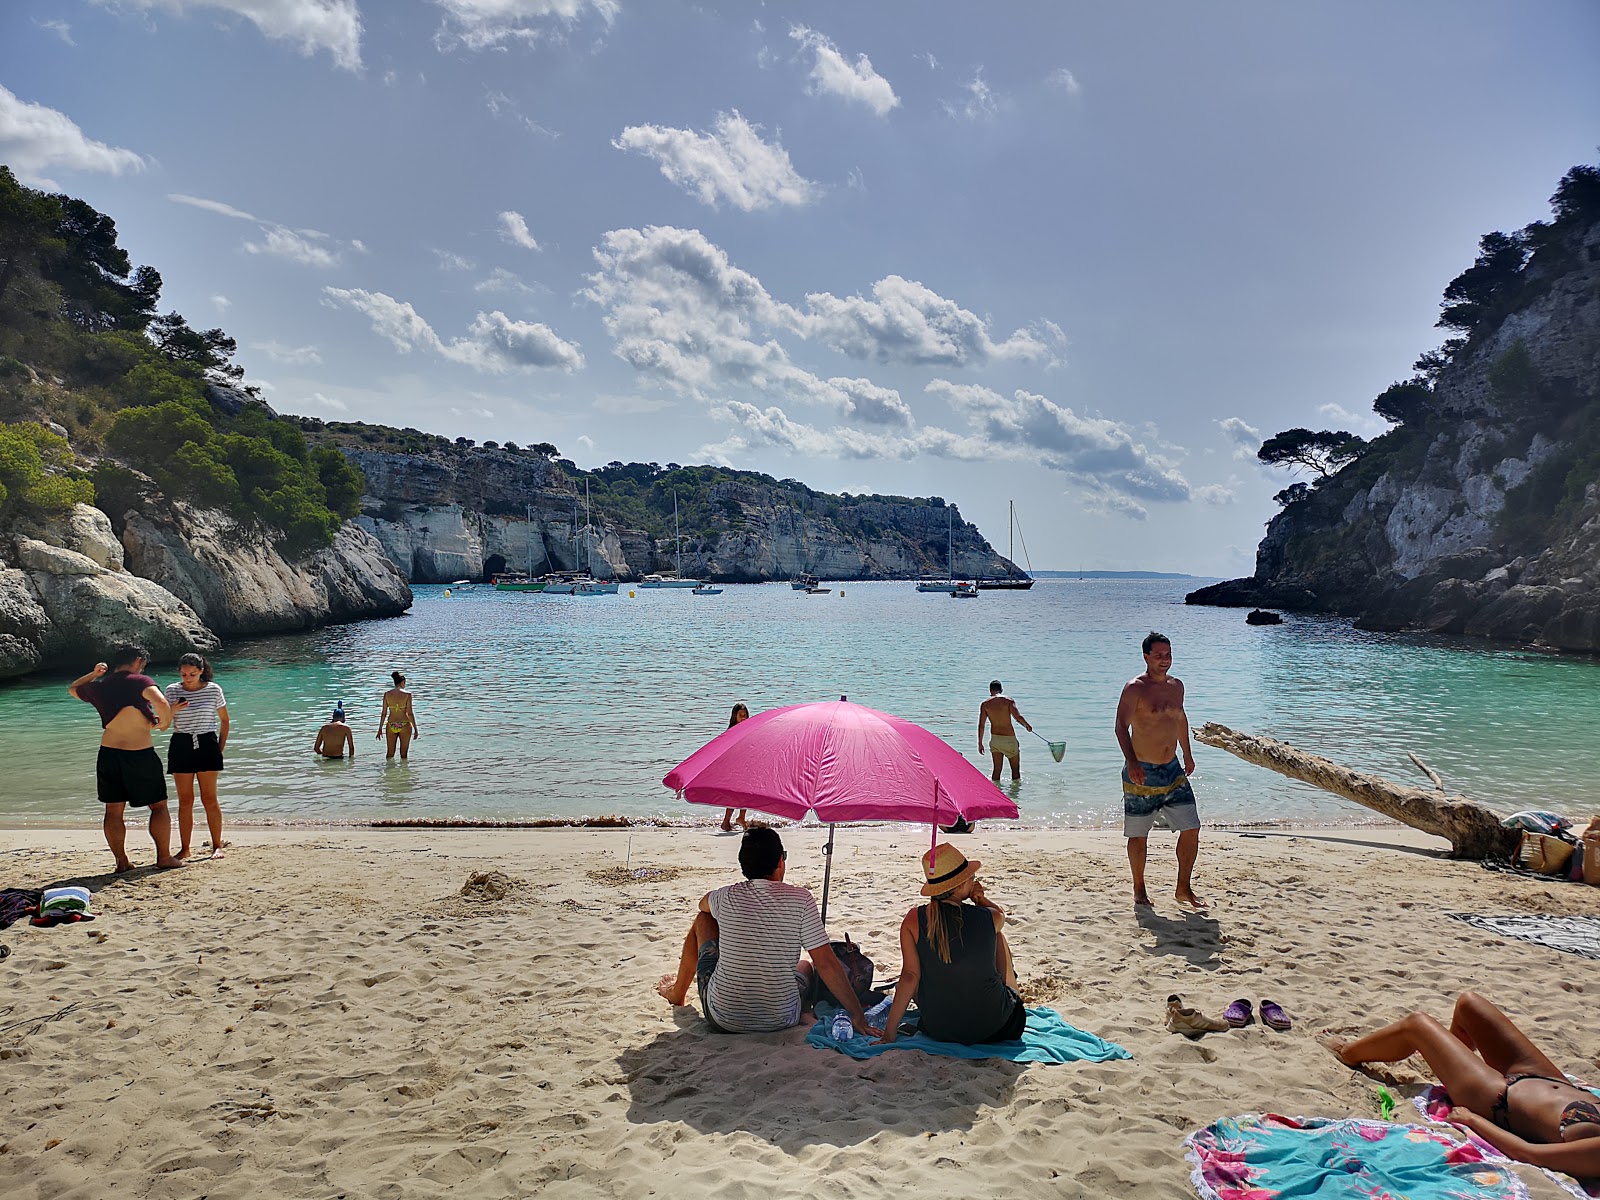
(81, 344)
(1551, 496)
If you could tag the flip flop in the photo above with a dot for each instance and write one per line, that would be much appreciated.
(1237, 1014)
(1273, 1017)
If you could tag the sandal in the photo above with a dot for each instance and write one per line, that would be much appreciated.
(1273, 1017)
(1237, 1014)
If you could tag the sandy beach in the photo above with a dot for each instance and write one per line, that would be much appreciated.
(325, 1013)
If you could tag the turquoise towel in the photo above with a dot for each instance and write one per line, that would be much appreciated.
(1046, 1038)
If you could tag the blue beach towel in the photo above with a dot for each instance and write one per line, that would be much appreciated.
(1046, 1038)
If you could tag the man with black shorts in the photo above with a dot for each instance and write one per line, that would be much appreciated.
(129, 770)
(743, 950)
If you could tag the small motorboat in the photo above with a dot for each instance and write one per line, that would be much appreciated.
(705, 589)
(818, 591)
(965, 591)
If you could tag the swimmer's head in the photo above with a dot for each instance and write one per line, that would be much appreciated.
(338, 712)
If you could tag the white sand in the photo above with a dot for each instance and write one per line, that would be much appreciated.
(323, 1014)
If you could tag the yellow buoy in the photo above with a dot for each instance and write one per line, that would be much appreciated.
(630, 595)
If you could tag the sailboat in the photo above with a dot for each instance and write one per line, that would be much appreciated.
(588, 585)
(675, 580)
(1011, 583)
(947, 585)
(521, 581)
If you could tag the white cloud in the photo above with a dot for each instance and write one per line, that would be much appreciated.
(501, 105)
(1065, 80)
(1100, 455)
(616, 405)
(311, 25)
(515, 230)
(927, 57)
(868, 402)
(295, 355)
(34, 139)
(502, 280)
(977, 104)
(221, 303)
(484, 24)
(1214, 493)
(1246, 438)
(729, 163)
(296, 247)
(451, 261)
(494, 343)
(318, 400)
(1366, 424)
(831, 73)
(586, 442)
(60, 28)
(305, 246)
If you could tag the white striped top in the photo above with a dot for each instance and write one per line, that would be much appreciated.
(762, 927)
(201, 714)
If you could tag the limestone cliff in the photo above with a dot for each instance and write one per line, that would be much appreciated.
(444, 512)
(1480, 515)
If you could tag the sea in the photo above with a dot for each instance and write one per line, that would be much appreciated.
(558, 707)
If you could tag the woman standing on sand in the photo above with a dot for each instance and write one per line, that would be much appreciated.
(199, 736)
(398, 721)
(739, 713)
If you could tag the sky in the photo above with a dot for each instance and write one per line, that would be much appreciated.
(1076, 255)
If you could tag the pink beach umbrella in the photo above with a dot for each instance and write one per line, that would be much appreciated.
(843, 762)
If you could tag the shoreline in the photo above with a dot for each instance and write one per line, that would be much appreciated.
(388, 1012)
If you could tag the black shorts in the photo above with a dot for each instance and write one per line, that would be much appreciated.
(186, 756)
(131, 777)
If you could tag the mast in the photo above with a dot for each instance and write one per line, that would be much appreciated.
(1011, 528)
(677, 538)
(950, 543)
(530, 543)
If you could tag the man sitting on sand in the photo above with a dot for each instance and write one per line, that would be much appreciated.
(334, 740)
(129, 770)
(743, 951)
(1151, 726)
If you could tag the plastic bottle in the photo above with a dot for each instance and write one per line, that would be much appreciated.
(842, 1029)
(879, 1011)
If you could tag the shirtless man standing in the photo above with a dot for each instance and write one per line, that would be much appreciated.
(1151, 726)
(129, 770)
(334, 740)
(997, 712)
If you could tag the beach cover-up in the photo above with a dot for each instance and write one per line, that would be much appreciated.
(16, 903)
(1435, 1104)
(1261, 1156)
(1574, 935)
(1045, 1039)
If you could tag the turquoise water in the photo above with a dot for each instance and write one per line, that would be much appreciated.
(540, 706)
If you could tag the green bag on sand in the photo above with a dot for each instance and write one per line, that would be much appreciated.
(1385, 1101)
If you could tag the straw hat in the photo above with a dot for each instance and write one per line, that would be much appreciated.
(946, 869)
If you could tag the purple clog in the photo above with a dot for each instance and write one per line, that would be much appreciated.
(1237, 1014)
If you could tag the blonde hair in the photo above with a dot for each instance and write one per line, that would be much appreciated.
(937, 931)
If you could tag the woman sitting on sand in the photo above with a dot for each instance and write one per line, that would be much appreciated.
(1513, 1097)
(954, 960)
(739, 713)
(398, 720)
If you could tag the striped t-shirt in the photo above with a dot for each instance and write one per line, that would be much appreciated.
(201, 714)
(762, 927)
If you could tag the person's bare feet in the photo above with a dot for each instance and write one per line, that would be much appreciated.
(1187, 896)
(1333, 1042)
(667, 989)
(216, 854)
(169, 864)
(123, 867)
(727, 827)
(183, 852)
(1142, 899)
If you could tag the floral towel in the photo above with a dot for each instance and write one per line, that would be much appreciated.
(1435, 1104)
(1260, 1157)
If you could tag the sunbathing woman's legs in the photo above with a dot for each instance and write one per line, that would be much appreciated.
(1486, 1029)
(1471, 1082)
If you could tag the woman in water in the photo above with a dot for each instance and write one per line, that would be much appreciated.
(1504, 1088)
(199, 736)
(398, 720)
(739, 713)
(955, 961)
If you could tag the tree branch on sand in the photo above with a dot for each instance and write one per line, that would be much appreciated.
(1473, 829)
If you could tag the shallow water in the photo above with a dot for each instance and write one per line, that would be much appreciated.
(539, 706)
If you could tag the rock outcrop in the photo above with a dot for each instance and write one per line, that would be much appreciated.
(1482, 516)
(463, 513)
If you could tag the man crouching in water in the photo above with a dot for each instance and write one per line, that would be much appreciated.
(129, 770)
(743, 951)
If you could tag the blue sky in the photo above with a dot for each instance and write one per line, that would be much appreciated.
(1079, 255)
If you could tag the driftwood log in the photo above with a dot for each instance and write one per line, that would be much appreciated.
(1473, 829)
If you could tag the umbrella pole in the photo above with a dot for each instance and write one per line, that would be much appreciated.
(933, 845)
(827, 872)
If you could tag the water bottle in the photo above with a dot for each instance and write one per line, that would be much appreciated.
(879, 1011)
(842, 1029)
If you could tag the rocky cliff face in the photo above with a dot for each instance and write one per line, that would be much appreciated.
(465, 513)
(176, 580)
(1483, 517)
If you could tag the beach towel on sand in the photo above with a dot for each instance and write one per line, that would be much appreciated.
(1046, 1039)
(1259, 1156)
(16, 903)
(1435, 1104)
(1574, 935)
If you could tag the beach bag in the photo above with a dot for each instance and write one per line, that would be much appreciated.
(1591, 853)
(1545, 854)
(857, 969)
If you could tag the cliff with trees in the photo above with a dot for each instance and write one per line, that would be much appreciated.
(1478, 512)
